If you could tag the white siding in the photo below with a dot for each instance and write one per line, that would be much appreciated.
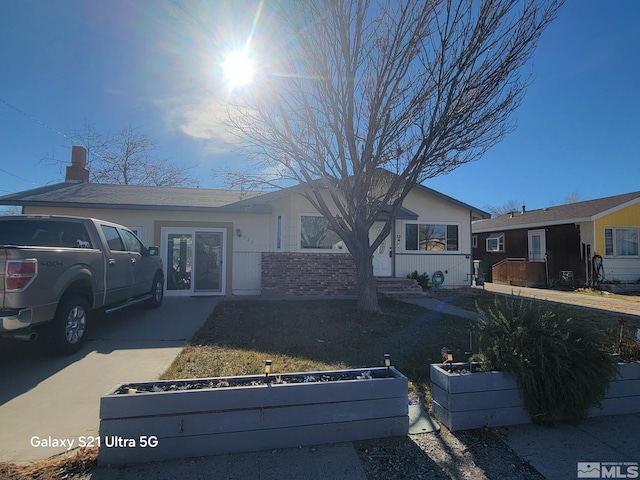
(456, 268)
(246, 273)
(625, 270)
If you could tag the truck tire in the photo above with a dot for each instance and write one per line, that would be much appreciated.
(67, 332)
(157, 292)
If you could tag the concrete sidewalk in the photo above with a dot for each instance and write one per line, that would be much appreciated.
(556, 452)
(325, 462)
(624, 305)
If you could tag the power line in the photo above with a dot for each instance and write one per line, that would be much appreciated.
(37, 120)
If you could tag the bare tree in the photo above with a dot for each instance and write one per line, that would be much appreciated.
(573, 197)
(14, 210)
(365, 99)
(510, 206)
(127, 158)
(515, 206)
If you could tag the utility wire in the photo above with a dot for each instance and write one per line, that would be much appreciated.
(37, 120)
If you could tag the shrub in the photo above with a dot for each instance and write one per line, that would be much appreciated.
(422, 279)
(629, 349)
(560, 364)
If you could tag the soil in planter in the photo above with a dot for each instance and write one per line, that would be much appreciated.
(177, 385)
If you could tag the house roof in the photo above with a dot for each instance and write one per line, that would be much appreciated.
(141, 197)
(570, 213)
(96, 195)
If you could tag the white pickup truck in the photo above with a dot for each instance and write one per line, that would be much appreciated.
(54, 270)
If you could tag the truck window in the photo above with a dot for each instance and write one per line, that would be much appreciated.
(113, 238)
(131, 242)
(44, 233)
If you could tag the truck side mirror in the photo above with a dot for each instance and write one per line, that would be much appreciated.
(153, 251)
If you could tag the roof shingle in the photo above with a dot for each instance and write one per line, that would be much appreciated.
(569, 213)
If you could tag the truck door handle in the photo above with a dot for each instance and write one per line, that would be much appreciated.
(112, 262)
(133, 262)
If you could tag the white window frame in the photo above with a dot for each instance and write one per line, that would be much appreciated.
(614, 247)
(315, 250)
(500, 243)
(430, 252)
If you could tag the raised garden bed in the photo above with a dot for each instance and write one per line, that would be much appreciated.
(463, 401)
(161, 420)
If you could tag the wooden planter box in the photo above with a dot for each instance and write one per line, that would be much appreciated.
(492, 399)
(164, 425)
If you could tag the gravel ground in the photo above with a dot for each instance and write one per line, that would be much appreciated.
(472, 454)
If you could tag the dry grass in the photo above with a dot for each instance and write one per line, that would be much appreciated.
(317, 335)
(602, 320)
(76, 465)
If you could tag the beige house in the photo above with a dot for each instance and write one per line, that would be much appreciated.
(230, 242)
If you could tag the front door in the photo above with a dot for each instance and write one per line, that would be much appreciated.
(382, 260)
(194, 260)
(537, 246)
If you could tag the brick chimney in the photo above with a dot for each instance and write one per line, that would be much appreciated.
(77, 172)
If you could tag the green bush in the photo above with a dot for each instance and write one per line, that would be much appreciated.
(560, 364)
(422, 279)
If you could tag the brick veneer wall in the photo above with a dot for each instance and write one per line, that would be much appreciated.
(308, 274)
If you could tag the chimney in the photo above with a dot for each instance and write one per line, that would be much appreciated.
(77, 172)
(524, 208)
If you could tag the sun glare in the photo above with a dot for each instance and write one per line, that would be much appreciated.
(238, 69)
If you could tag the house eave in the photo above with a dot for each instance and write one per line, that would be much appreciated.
(262, 209)
(616, 208)
(523, 226)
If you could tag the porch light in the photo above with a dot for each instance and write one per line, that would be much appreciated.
(449, 356)
(267, 367)
(387, 361)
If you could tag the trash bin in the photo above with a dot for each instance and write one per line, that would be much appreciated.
(479, 271)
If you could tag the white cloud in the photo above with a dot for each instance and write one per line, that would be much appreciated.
(202, 118)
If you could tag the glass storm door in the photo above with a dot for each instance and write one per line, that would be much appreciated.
(537, 246)
(193, 260)
(208, 262)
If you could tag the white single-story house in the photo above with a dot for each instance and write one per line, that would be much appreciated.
(233, 242)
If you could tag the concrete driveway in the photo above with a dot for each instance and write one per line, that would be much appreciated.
(57, 398)
(627, 305)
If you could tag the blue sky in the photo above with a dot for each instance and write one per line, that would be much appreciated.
(144, 63)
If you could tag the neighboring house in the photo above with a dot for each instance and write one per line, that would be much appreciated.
(592, 241)
(244, 243)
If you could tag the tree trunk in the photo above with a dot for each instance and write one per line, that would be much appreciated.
(366, 287)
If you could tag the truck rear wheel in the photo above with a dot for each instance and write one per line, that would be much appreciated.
(66, 333)
(157, 292)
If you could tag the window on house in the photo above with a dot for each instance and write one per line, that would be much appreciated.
(316, 234)
(495, 243)
(279, 232)
(431, 237)
(621, 242)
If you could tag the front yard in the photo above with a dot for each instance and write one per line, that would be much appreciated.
(308, 335)
(324, 334)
